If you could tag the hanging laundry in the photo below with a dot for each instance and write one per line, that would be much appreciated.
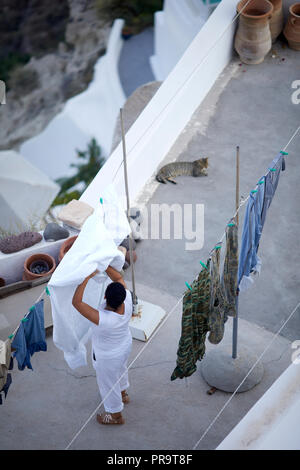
(94, 248)
(6, 364)
(217, 316)
(258, 204)
(230, 269)
(271, 183)
(194, 326)
(30, 337)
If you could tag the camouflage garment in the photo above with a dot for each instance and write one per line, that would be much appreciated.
(218, 305)
(230, 271)
(194, 326)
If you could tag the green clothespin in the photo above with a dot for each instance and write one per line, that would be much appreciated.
(31, 308)
(187, 284)
(101, 200)
(231, 224)
(202, 264)
(218, 247)
(283, 153)
(24, 319)
(261, 182)
(273, 169)
(47, 290)
(10, 336)
(254, 191)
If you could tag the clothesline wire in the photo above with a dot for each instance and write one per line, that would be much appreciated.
(158, 329)
(184, 83)
(246, 376)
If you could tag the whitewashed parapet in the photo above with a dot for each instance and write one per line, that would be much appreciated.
(161, 122)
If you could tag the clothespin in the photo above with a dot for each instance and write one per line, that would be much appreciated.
(283, 153)
(254, 191)
(47, 290)
(218, 247)
(187, 284)
(203, 264)
(273, 169)
(261, 182)
(231, 224)
(101, 200)
(31, 308)
(10, 336)
(24, 319)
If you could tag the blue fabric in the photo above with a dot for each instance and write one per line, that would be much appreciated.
(255, 216)
(30, 337)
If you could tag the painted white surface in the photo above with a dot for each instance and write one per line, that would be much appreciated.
(158, 126)
(12, 265)
(174, 29)
(90, 114)
(273, 422)
(25, 192)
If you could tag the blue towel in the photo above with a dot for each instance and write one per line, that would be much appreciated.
(30, 337)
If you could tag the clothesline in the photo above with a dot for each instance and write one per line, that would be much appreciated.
(165, 320)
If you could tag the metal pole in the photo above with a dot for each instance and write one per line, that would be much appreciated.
(128, 211)
(237, 202)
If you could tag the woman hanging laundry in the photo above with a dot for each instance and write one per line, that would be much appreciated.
(111, 343)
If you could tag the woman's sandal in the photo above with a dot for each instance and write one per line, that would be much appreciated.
(106, 418)
(125, 398)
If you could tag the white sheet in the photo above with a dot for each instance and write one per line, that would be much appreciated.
(95, 248)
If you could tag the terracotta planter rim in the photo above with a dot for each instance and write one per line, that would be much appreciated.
(264, 15)
(292, 7)
(43, 256)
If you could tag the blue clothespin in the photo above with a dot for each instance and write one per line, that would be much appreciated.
(203, 264)
(187, 284)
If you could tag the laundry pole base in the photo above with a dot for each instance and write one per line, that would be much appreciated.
(151, 316)
(221, 371)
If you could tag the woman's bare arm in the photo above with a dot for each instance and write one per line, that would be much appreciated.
(86, 310)
(115, 276)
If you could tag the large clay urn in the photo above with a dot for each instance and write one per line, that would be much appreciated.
(253, 37)
(276, 22)
(292, 28)
(38, 265)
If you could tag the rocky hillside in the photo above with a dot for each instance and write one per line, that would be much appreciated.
(53, 46)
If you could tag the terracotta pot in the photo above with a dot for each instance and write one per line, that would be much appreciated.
(66, 245)
(31, 262)
(292, 28)
(253, 37)
(276, 22)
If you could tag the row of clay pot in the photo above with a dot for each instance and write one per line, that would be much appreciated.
(260, 23)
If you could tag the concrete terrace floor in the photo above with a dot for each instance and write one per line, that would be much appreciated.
(250, 107)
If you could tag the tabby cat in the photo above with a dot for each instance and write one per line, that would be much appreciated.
(169, 171)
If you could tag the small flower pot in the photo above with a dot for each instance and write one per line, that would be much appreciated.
(38, 265)
(66, 246)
